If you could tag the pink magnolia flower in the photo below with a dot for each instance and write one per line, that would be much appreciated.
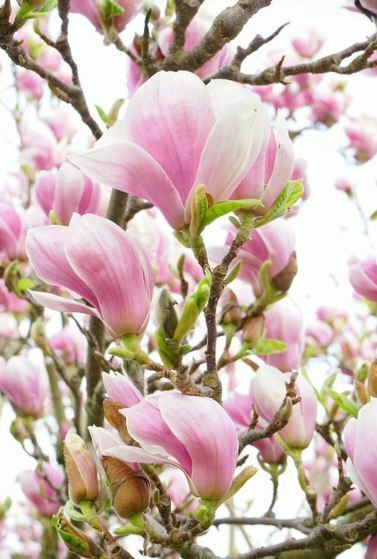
(67, 192)
(363, 277)
(61, 122)
(212, 136)
(24, 384)
(30, 83)
(309, 44)
(97, 260)
(274, 241)
(13, 229)
(121, 390)
(240, 409)
(70, 344)
(91, 9)
(81, 469)
(273, 168)
(284, 321)
(327, 105)
(359, 440)
(169, 430)
(320, 333)
(39, 147)
(268, 391)
(8, 326)
(9, 301)
(362, 134)
(39, 491)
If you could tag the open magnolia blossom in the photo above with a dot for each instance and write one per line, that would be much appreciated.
(192, 433)
(95, 259)
(197, 134)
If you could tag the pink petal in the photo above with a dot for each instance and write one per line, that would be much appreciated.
(62, 304)
(127, 167)
(44, 189)
(146, 425)
(69, 189)
(231, 148)
(208, 434)
(45, 247)
(103, 256)
(170, 116)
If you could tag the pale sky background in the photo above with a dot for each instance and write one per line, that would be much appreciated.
(328, 228)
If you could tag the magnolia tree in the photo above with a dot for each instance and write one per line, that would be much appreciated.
(152, 359)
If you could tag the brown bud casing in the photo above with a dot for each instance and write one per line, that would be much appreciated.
(116, 419)
(81, 470)
(283, 280)
(231, 311)
(253, 329)
(372, 380)
(129, 489)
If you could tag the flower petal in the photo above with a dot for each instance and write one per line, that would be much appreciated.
(171, 116)
(129, 168)
(146, 425)
(62, 304)
(206, 431)
(102, 256)
(46, 251)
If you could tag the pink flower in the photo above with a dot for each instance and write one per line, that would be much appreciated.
(362, 134)
(359, 440)
(169, 430)
(284, 322)
(13, 228)
(321, 333)
(30, 83)
(70, 344)
(8, 326)
(274, 241)
(308, 46)
(68, 192)
(121, 390)
(272, 169)
(363, 277)
(39, 491)
(268, 391)
(39, 147)
(81, 469)
(96, 259)
(211, 135)
(327, 106)
(91, 9)
(240, 409)
(61, 122)
(9, 301)
(24, 384)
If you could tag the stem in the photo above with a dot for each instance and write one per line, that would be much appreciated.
(50, 540)
(57, 404)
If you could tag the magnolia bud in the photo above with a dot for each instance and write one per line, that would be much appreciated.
(76, 540)
(166, 315)
(116, 420)
(283, 280)
(81, 470)
(129, 488)
(372, 380)
(361, 392)
(253, 329)
(231, 309)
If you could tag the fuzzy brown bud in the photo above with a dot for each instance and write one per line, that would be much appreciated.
(231, 310)
(283, 280)
(116, 419)
(129, 488)
(253, 329)
(372, 380)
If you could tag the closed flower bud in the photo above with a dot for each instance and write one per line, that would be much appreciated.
(372, 380)
(166, 315)
(76, 540)
(81, 470)
(129, 488)
(283, 280)
(231, 309)
(116, 420)
(253, 329)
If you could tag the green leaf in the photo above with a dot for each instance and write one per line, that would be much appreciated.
(268, 346)
(344, 402)
(222, 208)
(199, 207)
(102, 114)
(289, 196)
(233, 273)
(114, 111)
